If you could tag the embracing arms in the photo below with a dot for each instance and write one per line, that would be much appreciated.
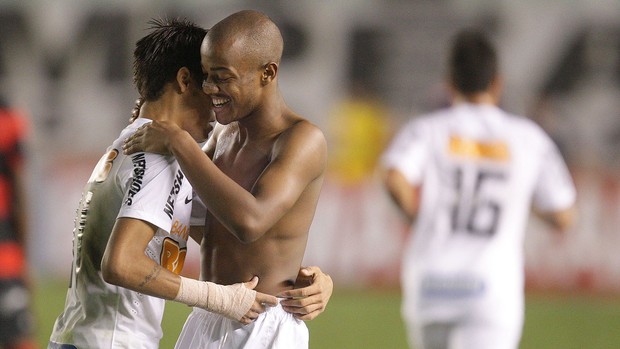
(295, 165)
(125, 264)
(298, 157)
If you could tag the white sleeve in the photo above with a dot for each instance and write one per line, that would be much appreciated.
(407, 152)
(554, 189)
(149, 189)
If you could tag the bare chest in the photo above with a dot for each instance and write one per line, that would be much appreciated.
(243, 164)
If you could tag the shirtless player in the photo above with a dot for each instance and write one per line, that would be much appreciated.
(260, 181)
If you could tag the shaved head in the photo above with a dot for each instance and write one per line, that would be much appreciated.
(253, 33)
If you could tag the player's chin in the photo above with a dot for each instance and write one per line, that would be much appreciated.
(225, 114)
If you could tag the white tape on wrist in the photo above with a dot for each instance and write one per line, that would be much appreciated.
(232, 301)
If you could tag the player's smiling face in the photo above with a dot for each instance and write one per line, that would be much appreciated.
(230, 82)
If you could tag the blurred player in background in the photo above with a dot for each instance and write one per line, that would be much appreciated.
(16, 320)
(260, 180)
(466, 177)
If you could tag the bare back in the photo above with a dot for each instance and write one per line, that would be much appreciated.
(285, 169)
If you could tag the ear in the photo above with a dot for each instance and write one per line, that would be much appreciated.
(269, 73)
(183, 79)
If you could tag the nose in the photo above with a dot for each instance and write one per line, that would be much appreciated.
(208, 87)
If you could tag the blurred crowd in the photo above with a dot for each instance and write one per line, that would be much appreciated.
(358, 72)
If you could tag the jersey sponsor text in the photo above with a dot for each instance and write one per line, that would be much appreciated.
(176, 187)
(139, 166)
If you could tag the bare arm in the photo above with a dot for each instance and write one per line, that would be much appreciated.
(298, 158)
(125, 264)
(403, 194)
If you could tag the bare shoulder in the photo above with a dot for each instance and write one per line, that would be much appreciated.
(303, 135)
(303, 141)
(306, 132)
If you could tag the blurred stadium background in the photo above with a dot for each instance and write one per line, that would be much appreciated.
(359, 69)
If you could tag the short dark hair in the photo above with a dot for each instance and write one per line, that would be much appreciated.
(473, 61)
(172, 44)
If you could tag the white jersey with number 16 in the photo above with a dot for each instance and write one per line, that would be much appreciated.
(480, 170)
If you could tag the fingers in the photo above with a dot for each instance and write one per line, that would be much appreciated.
(261, 298)
(309, 316)
(253, 313)
(266, 299)
(130, 148)
(304, 309)
(260, 305)
(252, 283)
(308, 302)
(320, 283)
(134, 143)
(135, 112)
(299, 292)
(309, 271)
(303, 305)
(249, 317)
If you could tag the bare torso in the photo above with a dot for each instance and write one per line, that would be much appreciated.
(276, 256)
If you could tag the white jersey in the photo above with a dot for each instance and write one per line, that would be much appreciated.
(480, 171)
(143, 186)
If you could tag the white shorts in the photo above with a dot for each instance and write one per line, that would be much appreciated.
(457, 324)
(274, 329)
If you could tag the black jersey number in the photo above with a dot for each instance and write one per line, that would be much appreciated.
(472, 212)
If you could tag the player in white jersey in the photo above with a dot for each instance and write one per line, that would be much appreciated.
(466, 177)
(133, 221)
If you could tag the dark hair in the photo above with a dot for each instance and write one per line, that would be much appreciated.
(172, 44)
(473, 62)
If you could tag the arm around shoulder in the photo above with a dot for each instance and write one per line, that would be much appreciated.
(296, 162)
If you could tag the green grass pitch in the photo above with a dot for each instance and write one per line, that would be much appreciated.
(359, 319)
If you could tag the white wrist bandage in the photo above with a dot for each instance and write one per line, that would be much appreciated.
(232, 301)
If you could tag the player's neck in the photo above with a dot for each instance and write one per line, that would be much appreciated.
(487, 98)
(270, 119)
(156, 110)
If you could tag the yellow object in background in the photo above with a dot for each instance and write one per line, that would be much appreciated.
(358, 131)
